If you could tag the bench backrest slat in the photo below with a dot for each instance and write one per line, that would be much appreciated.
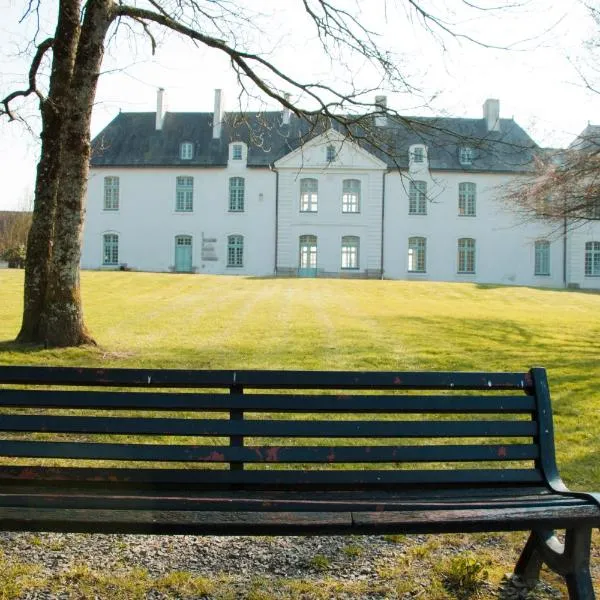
(225, 429)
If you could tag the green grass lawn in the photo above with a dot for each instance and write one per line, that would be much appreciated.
(182, 321)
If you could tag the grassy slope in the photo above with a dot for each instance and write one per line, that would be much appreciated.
(180, 321)
(183, 321)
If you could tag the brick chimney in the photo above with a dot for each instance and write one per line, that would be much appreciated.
(491, 114)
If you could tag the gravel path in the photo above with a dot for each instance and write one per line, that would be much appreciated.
(344, 558)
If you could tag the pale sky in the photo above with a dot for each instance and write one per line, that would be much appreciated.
(536, 81)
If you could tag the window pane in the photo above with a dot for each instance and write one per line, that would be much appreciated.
(350, 247)
(417, 248)
(236, 194)
(184, 194)
(236, 152)
(111, 193)
(466, 255)
(186, 150)
(110, 249)
(308, 195)
(308, 252)
(235, 251)
(417, 198)
(466, 199)
(351, 196)
(542, 257)
(592, 259)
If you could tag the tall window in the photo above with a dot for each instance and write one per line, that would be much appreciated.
(308, 251)
(542, 257)
(417, 254)
(466, 255)
(236, 152)
(236, 194)
(592, 259)
(309, 191)
(110, 249)
(466, 155)
(350, 250)
(593, 209)
(417, 198)
(351, 196)
(467, 197)
(186, 151)
(184, 194)
(235, 251)
(330, 153)
(111, 193)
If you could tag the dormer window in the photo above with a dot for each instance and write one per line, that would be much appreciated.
(330, 153)
(417, 155)
(236, 152)
(466, 154)
(186, 151)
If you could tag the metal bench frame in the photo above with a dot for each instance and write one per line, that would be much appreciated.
(307, 484)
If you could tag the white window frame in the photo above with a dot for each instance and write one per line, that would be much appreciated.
(309, 195)
(110, 249)
(351, 189)
(350, 253)
(308, 251)
(467, 199)
(466, 155)
(186, 151)
(237, 192)
(184, 194)
(237, 151)
(330, 153)
(592, 259)
(466, 256)
(417, 254)
(417, 198)
(235, 251)
(111, 193)
(542, 258)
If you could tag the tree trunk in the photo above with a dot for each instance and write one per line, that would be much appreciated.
(53, 109)
(63, 312)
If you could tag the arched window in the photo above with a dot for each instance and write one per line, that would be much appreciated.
(110, 249)
(592, 259)
(542, 257)
(309, 192)
(308, 252)
(417, 198)
(235, 251)
(236, 194)
(467, 198)
(466, 255)
(350, 252)
(417, 254)
(351, 196)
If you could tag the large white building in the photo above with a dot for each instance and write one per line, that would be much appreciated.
(252, 194)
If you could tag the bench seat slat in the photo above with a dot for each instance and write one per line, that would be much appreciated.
(158, 401)
(264, 379)
(325, 479)
(258, 428)
(290, 523)
(268, 454)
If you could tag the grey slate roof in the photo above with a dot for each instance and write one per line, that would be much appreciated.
(132, 140)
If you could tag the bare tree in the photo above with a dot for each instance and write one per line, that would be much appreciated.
(52, 307)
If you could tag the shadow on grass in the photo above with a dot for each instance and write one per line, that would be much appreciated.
(501, 286)
(20, 348)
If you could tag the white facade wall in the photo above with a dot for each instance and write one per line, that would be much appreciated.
(579, 235)
(147, 222)
(329, 224)
(505, 250)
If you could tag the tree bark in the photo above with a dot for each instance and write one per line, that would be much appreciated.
(53, 109)
(63, 313)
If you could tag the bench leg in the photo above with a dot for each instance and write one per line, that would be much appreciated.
(571, 559)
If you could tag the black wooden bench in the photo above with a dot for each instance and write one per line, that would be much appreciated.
(288, 453)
